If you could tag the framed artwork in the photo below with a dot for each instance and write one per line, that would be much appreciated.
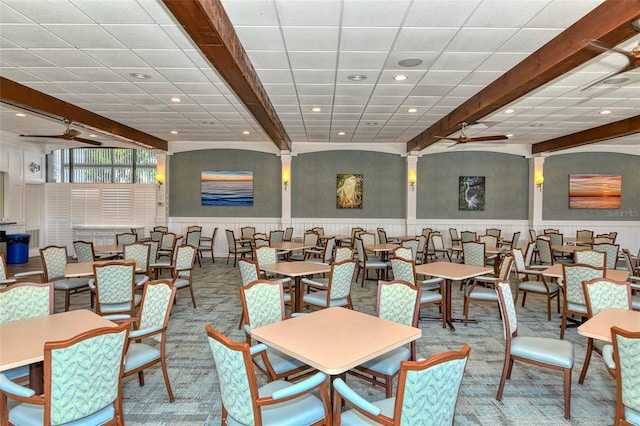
(595, 191)
(226, 188)
(349, 191)
(471, 193)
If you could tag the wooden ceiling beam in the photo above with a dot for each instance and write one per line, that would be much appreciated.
(610, 23)
(18, 95)
(209, 27)
(618, 129)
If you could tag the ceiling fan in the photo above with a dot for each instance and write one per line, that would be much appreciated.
(69, 135)
(633, 56)
(463, 138)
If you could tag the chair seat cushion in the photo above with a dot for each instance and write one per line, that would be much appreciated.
(110, 308)
(181, 283)
(70, 283)
(141, 279)
(14, 373)
(304, 410)
(32, 414)
(354, 418)
(377, 264)
(388, 363)
(632, 416)
(538, 287)
(320, 298)
(430, 296)
(279, 361)
(542, 349)
(576, 307)
(324, 282)
(139, 354)
(482, 293)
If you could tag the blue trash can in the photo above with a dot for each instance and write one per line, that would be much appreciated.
(18, 248)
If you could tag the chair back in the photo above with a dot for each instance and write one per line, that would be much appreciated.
(515, 239)
(318, 230)
(263, 303)
(329, 246)
(453, 233)
(584, 234)
(249, 270)
(505, 267)
(3, 268)
(508, 310)
(84, 251)
(368, 239)
(426, 232)
(382, 236)
(612, 253)
(413, 246)
(473, 253)
(156, 235)
(260, 235)
(168, 241)
(628, 262)
(153, 250)
(310, 239)
(276, 237)
(573, 275)
(591, 257)
(288, 234)
(140, 253)
(532, 235)
(193, 238)
(162, 229)
(528, 254)
(231, 239)
(602, 293)
(115, 284)
(340, 279)
(468, 236)
(155, 308)
(26, 300)
(544, 251)
(626, 352)
(247, 231)
(437, 241)
(399, 301)
(422, 245)
(260, 242)
(96, 381)
(556, 239)
(550, 231)
(493, 231)
(361, 255)
(185, 259)
(343, 253)
(126, 238)
(355, 231)
(403, 252)
(603, 239)
(54, 260)
(266, 255)
(194, 228)
(488, 240)
(403, 269)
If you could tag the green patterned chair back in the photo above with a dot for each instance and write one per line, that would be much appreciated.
(584, 234)
(318, 230)
(368, 239)
(310, 239)
(404, 253)
(612, 253)
(453, 233)
(276, 237)
(403, 269)
(194, 228)
(550, 231)
(185, 258)
(468, 236)
(573, 276)
(603, 239)
(54, 260)
(360, 253)
(156, 235)
(153, 250)
(157, 300)
(544, 251)
(438, 242)
(25, 300)
(126, 238)
(193, 238)
(413, 245)
(628, 262)
(473, 253)
(505, 267)
(266, 255)
(263, 302)
(518, 259)
(84, 251)
(382, 236)
(626, 352)
(161, 228)
(168, 241)
(488, 240)
(528, 254)
(591, 257)
(493, 231)
(340, 279)
(79, 389)
(602, 293)
(247, 231)
(426, 232)
(237, 385)
(288, 234)
(508, 309)
(249, 271)
(260, 242)
(231, 240)
(115, 282)
(329, 247)
(343, 253)
(399, 301)
(3, 267)
(140, 253)
(422, 242)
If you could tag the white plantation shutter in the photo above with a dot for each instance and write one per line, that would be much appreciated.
(57, 215)
(117, 206)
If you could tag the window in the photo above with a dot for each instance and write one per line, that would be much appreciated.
(103, 165)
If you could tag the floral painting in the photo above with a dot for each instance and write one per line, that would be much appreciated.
(349, 191)
(226, 188)
(595, 191)
(471, 193)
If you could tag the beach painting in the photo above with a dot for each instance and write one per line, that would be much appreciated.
(227, 188)
(595, 191)
(471, 192)
(349, 191)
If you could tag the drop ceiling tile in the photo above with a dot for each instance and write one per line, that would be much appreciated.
(342, 77)
(352, 100)
(24, 59)
(97, 74)
(263, 59)
(448, 78)
(81, 88)
(315, 100)
(85, 36)
(260, 38)
(529, 40)
(482, 77)
(386, 100)
(103, 11)
(251, 12)
(284, 100)
(440, 13)
(141, 36)
(10, 16)
(165, 58)
(17, 74)
(424, 39)
(184, 75)
(431, 90)
(464, 91)
(279, 89)
(480, 39)
(501, 62)
(467, 61)
(364, 39)
(287, 109)
(54, 74)
(315, 89)
(354, 89)
(421, 101)
(49, 11)
(505, 14)
(354, 109)
(562, 13)
(33, 36)
(312, 60)
(314, 76)
(275, 76)
(311, 39)
(311, 12)
(157, 88)
(427, 58)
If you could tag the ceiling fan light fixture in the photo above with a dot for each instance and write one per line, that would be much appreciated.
(410, 62)
(357, 77)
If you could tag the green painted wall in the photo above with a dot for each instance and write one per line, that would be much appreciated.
(184, 178)
(556, 185)
(313, 184)
(506, 185)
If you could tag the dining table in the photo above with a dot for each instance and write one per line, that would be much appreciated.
(297, 270)
(450, 272)
(555, 271)
(85, 269)
(109, 249)
(599, 325)
(382, 249)
(23, 341)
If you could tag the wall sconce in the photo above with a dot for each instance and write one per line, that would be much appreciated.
(159, 179)
(285, 179)
(412, 181)
(539, 179)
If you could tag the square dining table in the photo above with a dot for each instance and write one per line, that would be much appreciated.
(23, 341)
(452, 272)
(297, 270)
(555, 271)
(599, 326)
(85, 269)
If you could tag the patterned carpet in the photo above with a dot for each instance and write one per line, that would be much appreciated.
(532, 396)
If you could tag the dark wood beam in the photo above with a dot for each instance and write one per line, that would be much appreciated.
(209, 27)
(610, 23)
(618, 129)
(18, 95)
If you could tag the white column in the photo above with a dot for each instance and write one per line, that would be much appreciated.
(412, 191)
(536, 172)
(285, 158)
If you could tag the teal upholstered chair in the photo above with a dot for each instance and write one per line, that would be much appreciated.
(626, 349)
(602, 293)
(612, 253)
(473, 253)
(151, 325)
(5, 280)
(263, 304)
(54, 260)
(114, 286)
(414, 246)
(126, 238)
(309, 239)
(86, 253)
(482, 288)
(208, 244)
(591, 257)
(439, 253)
(182, 271)
(79, 393)
(543, 244)
(573, 294)
(541, 351)
(343, 253)
(427, 394)
(267, 255)
(276, 403)
(337, 292)
(22, 301)
(250, 272)
(193, 239)
(139, 252)
(365, 262)
(398, 301)
(237, 247)
(526, 285)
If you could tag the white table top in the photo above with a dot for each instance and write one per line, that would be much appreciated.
(335, 340)
(599, 326)
(289, 246)
(555, 271)
(296, 269)
(487, 249)
(381, 247)
(452, 271)
(85, 269)
(111, 248)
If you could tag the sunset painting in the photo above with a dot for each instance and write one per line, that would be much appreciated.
(226, 188)
(595, 191)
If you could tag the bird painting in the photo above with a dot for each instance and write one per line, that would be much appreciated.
(349, 191)
(471, 193)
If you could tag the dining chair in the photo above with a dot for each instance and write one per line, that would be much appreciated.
(633, 279)
(336, 292)
(573, 294)
(369, 239)
(207, 244)
(247, 232)
(288, 234)
(156, 235)
(161, 228)
(591, 257)
(515, 239)
(355, 231)
(139, 252)
(466, 236)
(473, 253)
(193, 239)
(493, 232)
(266, 255)
(167, 246)
(626, 350)
(182, 272)
(557, 239)
(236, 248)
(603, 239)
(544, 352)
(427, 393)
(309, 239)
(612, 251)
(263, 304)
(455, 237)
(584, 234)
(86, 253)
(421, 252)
(426, 232)
(22, 301)
(365, 264)
(126, 238)
(244, 403)
(250, 272)
(525, 284)
(260, 242)
(114, 287)
(147, 341)
(544, 251)
(487, 292)
(440, 253)
(192, 228)
(343, 253)
(489, 241)
(602, 293)
(397, 301)
(276, 237)
(413, 245)
(83, 393)
(6, 280)
(326, 253)
(404, 253)
(548, 231)
(54, 260)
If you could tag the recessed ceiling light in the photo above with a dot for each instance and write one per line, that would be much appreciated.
(316, 109)
(341, 133)
(19, 114)
(176, 99)
(174, 132)
(357, 77)
(410, 62)
(509, 111)
(509, 135)
(412, 110)
(93, 136)
(372, 123)
(140, 75)
(246, 132)
(605, 112)
(616, 80)
(399, 77)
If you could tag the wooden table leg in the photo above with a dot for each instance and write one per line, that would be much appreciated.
(36, 377)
